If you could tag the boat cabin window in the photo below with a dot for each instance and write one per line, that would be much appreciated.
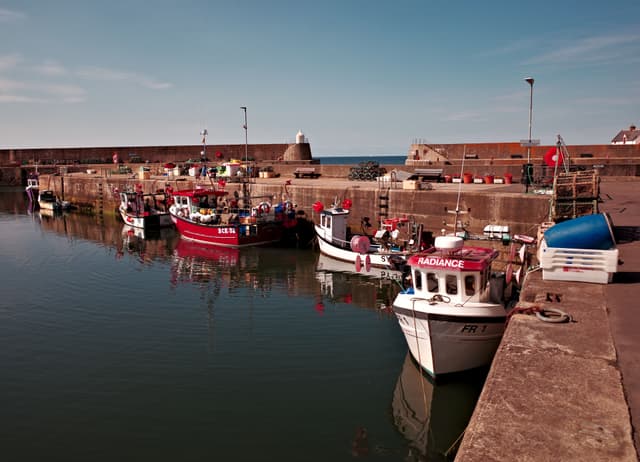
(451, 281)
(325, 221)
(470, 284)
(432, 282)
(417, 279)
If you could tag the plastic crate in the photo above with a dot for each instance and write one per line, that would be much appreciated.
(579, 265)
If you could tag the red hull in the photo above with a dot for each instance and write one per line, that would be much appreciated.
(232, 235)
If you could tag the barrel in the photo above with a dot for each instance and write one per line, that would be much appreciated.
(585, 232)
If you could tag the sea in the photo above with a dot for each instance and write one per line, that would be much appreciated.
(119, 345)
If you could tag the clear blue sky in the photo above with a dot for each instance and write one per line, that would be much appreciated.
(356, 77)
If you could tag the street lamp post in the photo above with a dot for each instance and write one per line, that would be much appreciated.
(246, 156)
(245, 184)
(528, 168)
(530, 81)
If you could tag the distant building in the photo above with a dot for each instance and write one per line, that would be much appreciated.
(630, 136)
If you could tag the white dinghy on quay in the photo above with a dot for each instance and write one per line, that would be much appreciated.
(453, 315)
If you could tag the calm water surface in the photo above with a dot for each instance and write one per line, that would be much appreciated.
(114, 347)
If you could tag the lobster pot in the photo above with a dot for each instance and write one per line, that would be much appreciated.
(586, 232)
(579, 265)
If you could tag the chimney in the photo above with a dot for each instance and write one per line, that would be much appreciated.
(632, 128)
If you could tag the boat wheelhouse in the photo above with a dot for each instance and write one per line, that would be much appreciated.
(388, 247)
(33, 188)
(453, 315)
(145, 211)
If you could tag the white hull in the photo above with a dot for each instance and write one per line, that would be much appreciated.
(444, 338)
(386, 260)
(327, 263)
(154, 220)
(45, 205)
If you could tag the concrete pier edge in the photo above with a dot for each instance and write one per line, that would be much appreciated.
(568, 391)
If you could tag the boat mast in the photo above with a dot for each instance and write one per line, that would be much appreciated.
(457, 211)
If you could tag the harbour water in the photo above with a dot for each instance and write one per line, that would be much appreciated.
(118, 347)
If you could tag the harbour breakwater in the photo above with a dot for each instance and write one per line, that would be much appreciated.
(481, 204)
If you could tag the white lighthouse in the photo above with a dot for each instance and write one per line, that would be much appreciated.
(300, 137)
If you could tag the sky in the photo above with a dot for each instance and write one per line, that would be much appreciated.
(356, 77)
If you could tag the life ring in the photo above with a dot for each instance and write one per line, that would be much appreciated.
(553, 157)
(264, 207)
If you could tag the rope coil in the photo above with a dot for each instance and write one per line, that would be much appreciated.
(552, 315)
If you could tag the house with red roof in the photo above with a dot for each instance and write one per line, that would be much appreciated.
(630, 136)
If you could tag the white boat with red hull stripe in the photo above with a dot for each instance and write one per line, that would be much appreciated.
(453, 316)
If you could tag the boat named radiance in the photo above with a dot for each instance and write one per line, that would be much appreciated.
(453, 315)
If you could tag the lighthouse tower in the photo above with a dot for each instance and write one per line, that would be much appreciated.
(301, 150)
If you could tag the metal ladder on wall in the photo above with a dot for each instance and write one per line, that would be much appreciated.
(383, 205)
(100, 203)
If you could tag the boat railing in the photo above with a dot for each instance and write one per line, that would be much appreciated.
(341, 243)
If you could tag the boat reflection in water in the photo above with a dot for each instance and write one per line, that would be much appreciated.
(197, 263)
(339, 281)
(145, 244)
(433, 416)
(219, 271)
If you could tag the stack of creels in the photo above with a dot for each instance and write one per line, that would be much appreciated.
(366, 171)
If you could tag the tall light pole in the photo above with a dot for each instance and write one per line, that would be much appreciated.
(530, 81)
(246, 155)
(528, 173)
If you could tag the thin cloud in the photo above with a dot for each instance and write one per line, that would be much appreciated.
(11, 15)
(589, 50)
(51, 68)
(463, 116)
(9, 61)
(20, 99)
(65, 93)
(512, 47)
(10, 85)
(99, 73)
(13, 91)
(599, 101)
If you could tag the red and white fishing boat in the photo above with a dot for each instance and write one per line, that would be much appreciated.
(387, 247)
(145, 211)
(208, 217)
(453, 315)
